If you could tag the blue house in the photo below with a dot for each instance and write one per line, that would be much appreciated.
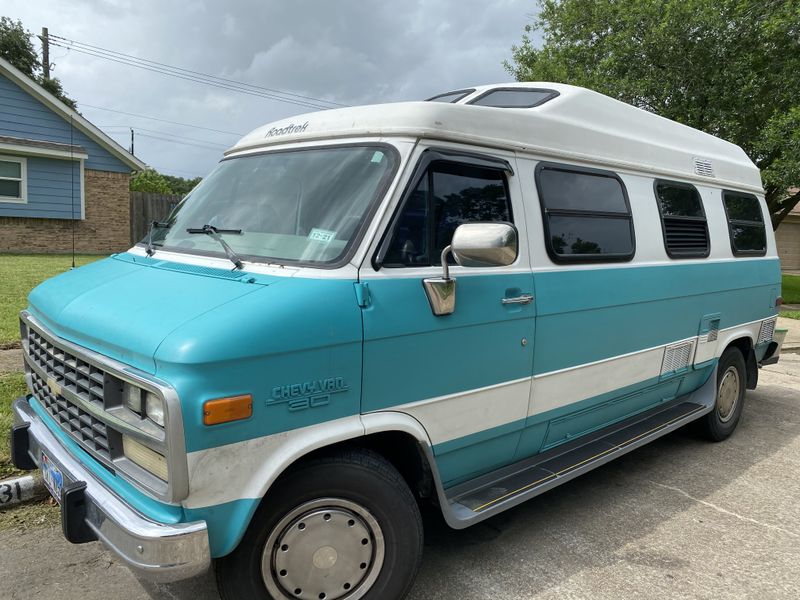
(59, 175)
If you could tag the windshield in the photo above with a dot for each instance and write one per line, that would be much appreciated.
(305, 206)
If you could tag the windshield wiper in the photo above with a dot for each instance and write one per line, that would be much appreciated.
(148, 244)
(215, 233)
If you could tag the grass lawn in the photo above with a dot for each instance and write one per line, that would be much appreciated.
(790, 289)
(11, 386)
(19, 274)
(790, 314)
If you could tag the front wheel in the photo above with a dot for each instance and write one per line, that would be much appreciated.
(344, 527)
(720, 423)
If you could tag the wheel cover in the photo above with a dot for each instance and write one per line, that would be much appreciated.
(728, 394)
(326, 549)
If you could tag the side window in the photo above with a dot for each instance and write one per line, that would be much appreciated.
(683, 219)
(447, 195)
(745, 224)
(586, 213)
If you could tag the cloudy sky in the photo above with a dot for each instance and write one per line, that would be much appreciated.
(349, 52)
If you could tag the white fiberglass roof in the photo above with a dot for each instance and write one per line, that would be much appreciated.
(577, 124)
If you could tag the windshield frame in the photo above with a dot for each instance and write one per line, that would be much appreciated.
(352, 245)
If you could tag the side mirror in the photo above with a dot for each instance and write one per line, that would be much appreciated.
(473, 245)
(484, 244)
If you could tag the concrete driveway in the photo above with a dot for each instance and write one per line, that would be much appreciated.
(680, 518)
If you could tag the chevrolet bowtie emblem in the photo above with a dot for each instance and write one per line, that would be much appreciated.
(53, 386)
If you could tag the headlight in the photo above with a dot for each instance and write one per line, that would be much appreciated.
(148, 459)
(132, 397)
(154, 408)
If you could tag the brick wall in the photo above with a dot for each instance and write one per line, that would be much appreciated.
(105, 230)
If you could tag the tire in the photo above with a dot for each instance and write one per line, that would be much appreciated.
(346, 526)
(720, 423)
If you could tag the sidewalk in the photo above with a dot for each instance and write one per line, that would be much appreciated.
(792, 341)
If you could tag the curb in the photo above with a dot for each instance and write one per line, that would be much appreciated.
(20, 489)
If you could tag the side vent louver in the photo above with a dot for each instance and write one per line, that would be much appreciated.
(713, 330)
(685, 236)
(702, 166)
(767, 331)
(677, 357)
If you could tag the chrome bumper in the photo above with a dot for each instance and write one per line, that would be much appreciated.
(157, 551)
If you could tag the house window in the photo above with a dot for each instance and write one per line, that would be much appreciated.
(587, 216)
(12, 179)
(446, 196)
(745, 224)
(683, 220)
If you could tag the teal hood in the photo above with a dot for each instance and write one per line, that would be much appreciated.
(125, 306)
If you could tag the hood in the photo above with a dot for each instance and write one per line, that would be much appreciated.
(124, 306)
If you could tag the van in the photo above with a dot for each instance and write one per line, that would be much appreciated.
(464, 302)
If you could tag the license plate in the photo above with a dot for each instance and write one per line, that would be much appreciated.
(53, 479)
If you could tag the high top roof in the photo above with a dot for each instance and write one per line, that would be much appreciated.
(577, 124)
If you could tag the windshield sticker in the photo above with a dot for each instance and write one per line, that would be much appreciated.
(377, 157)
(289, 129)
(322, 235)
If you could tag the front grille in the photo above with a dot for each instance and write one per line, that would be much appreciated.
(767, 331)
(78, 376)
(91, 433)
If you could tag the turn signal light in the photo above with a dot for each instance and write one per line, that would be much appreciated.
(225, 410)
(779, 301)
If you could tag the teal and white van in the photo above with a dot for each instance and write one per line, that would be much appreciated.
(465, 302)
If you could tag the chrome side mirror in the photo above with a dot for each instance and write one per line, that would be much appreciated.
(473, 245)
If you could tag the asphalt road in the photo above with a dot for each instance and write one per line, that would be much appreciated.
(680, 518)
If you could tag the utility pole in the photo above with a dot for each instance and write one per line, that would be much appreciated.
(131, 140)
(45, 53)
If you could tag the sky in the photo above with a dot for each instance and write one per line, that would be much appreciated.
(346, 51)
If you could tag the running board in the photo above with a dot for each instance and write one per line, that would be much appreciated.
(489, 494)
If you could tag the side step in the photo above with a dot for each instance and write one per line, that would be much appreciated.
(489, 494)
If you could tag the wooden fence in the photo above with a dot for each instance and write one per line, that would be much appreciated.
(146, 208)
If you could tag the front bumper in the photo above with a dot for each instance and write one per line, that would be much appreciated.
(154, 550)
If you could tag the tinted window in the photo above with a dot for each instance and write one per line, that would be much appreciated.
(568, 190)
(515, 98)
(445, 197)
(586, 214)
(745, 224)
(677, 200)
(450, 96)
(683, 220)
(590, 235)
(742, 208)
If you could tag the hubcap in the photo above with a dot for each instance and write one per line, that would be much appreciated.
(728, 394)
(325, 549)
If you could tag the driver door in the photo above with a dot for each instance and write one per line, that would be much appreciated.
(465, 376)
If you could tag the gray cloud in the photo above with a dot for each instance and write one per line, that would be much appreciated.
(349, 51)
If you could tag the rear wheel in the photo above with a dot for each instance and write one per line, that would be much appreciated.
(720, 423)
(341, 527)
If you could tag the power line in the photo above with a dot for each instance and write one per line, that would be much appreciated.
(195, 76)
(216, 149)
(199, 73)
(122, 112)
(197, 79)
(180, 137)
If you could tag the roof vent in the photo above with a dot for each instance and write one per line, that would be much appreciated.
(702, 166)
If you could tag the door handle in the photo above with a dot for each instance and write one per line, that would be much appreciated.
(522, 299)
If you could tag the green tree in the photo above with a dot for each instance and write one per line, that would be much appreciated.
(151, 181)
(180, 185)
(727, 67)
(17, 48)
